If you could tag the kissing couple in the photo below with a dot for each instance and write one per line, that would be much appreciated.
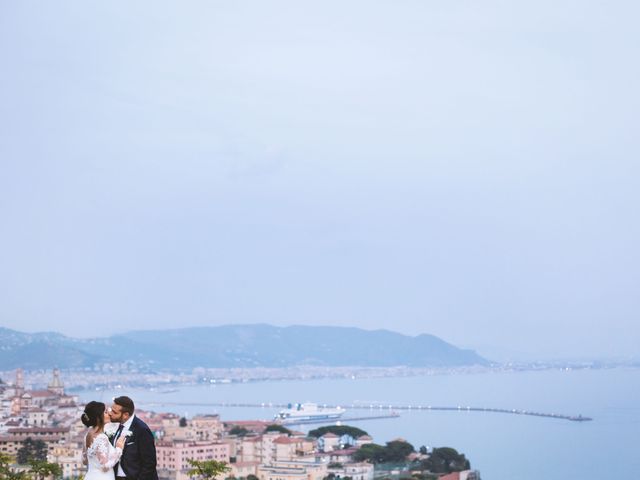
(128, 453)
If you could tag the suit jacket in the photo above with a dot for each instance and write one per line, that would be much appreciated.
(138, 458)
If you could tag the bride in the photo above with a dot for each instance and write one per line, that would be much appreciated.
(97, 452)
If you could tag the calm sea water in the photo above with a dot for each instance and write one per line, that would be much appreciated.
(502, 447)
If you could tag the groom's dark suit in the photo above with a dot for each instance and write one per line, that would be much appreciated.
(138, 458)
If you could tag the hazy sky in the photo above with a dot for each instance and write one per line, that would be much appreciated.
(463, 168)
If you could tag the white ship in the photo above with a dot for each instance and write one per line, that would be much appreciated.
(308, 413)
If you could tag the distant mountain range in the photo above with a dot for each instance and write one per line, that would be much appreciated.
(230, 346)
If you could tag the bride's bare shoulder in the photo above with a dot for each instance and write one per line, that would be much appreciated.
(88, 439)
(93, 438)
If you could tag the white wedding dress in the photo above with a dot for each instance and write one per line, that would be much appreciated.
(101, 457)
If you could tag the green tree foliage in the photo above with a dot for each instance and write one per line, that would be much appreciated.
(333, 476)
(38, 469)
(397, 451)
(424, 476)
(5, 461)
(251, 476)
(277, 428)
(338, 430)
(239, 431)
(41, 469)
(183, 422)
(445, 460)
(206, 469)
(370, 452)
(393, 452)
(6, 473)
(31, 450)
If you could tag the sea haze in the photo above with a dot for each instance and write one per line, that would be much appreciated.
(235, 346)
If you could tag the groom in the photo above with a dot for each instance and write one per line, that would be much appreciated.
(138, 461)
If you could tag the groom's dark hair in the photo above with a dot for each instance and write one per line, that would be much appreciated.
(126, 403)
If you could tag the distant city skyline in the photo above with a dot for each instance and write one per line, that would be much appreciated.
(466, 169)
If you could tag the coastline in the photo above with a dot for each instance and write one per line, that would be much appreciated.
(126, 376)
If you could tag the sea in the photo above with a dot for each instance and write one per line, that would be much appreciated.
(501, 446)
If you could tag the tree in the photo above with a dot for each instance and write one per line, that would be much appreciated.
(397, 451)
(338, 430)
(42, 469)
(277, 428)
(370, 452)
(445, 460)
(183, 422)
(6, 473)
(424, 476)
(423, 450)
(393, 452)
(31, 450)
(239, 431)
(206, 469)
(5, 461)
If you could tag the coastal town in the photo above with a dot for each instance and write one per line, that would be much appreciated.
(252, 450)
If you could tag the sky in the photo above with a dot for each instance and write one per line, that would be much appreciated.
(467, 169)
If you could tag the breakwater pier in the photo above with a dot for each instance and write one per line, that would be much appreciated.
(382, 410)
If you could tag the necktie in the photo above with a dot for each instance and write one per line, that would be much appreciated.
(118, 432)
(116, 467)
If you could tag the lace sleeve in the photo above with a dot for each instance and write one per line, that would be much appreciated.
(107, 454)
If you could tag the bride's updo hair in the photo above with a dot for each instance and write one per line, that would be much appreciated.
(93, 415)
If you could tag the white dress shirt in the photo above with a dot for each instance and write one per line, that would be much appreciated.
(125, 428)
